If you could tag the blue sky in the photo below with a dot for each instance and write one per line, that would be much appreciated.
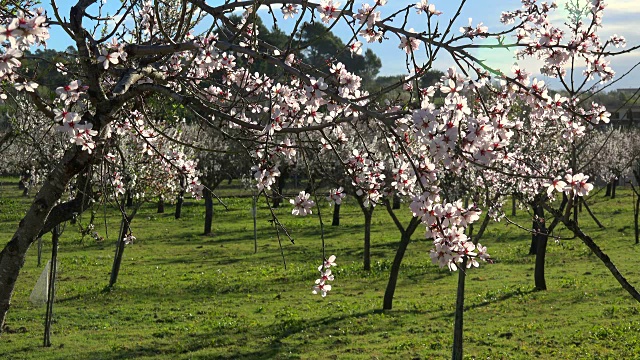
(621, 17)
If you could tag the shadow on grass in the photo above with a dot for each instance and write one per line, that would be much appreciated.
(494, 299)
(271, 345)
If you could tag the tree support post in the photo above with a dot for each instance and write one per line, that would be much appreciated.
(51, 289)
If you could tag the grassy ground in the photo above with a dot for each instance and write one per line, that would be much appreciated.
(181, 295)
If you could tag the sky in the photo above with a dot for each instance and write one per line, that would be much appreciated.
(621, 17)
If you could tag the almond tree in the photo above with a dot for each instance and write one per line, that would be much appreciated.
(172, 53)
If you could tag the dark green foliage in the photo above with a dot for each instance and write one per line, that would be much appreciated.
(322, 45)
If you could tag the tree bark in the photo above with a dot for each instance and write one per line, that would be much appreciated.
(13, 255)
(405, 238)
(125, 223)
(51, 290)
(161, 205)
(571, 225)
(613, 188)
(542, 238)
(387, 303)
(396, 202)
(336, 215)
(208, 212)
(608, 192)
(39, 250)
(367, 239)
(513, 205)
(534, 233)
(179, 203)
(582, 201)
(458, 325)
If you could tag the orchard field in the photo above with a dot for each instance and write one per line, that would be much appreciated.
(182, 295)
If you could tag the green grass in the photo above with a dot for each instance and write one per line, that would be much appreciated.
(181, 295)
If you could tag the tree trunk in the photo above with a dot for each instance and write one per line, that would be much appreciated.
(13, 255)
(575, 212)
(534, 233)
(542, 239)
(179, 202)
(208, 212)
(161, 205)
(39, 250)
(396, 201)
(458, 325)
(613, 188)
(129, 200)
(513, 205)
(395, 270)
(582, 201)
(608, 192)
(604, 258)
(336, 215)
(125, 223)
(51, 290)
(367, 239)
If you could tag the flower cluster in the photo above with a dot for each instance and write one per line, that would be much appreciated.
(265, 176)
(336, 196)
(446, 225)
(367, 176)
(429, 9)
(321, 286)
(21, 32)
(117, 182)
(469, 31)
(129, 239)
(408, 43)
(574, 185)
(112, 54)
(289, 10)
(302, 204)
(328, 10)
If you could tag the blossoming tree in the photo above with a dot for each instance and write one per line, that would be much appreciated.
(198, 56)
